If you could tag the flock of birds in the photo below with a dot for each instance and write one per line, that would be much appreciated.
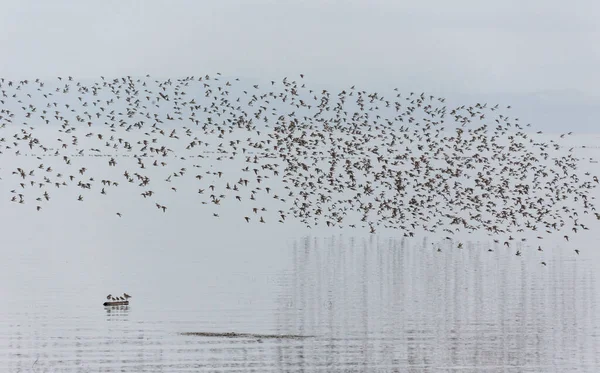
(349, 158)
(122, 298)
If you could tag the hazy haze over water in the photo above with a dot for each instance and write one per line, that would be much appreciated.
(366, 303)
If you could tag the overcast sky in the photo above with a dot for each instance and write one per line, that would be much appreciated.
(544, 50)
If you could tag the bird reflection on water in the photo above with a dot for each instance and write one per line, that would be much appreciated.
(114, 313)
(387, 305)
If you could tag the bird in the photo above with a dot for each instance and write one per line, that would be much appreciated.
(364, 160)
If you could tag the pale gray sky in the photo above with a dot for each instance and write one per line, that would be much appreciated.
(546, 50)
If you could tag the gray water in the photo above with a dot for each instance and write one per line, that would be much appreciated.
(369, 304)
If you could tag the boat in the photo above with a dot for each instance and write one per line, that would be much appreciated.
(116, 303)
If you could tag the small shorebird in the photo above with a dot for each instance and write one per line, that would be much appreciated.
(108, 296)
(127, 296)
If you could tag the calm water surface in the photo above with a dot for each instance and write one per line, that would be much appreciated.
(369, 304)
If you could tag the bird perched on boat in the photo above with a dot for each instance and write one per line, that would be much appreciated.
(127, 296)
(108, 296)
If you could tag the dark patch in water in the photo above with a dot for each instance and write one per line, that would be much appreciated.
(247, 335)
